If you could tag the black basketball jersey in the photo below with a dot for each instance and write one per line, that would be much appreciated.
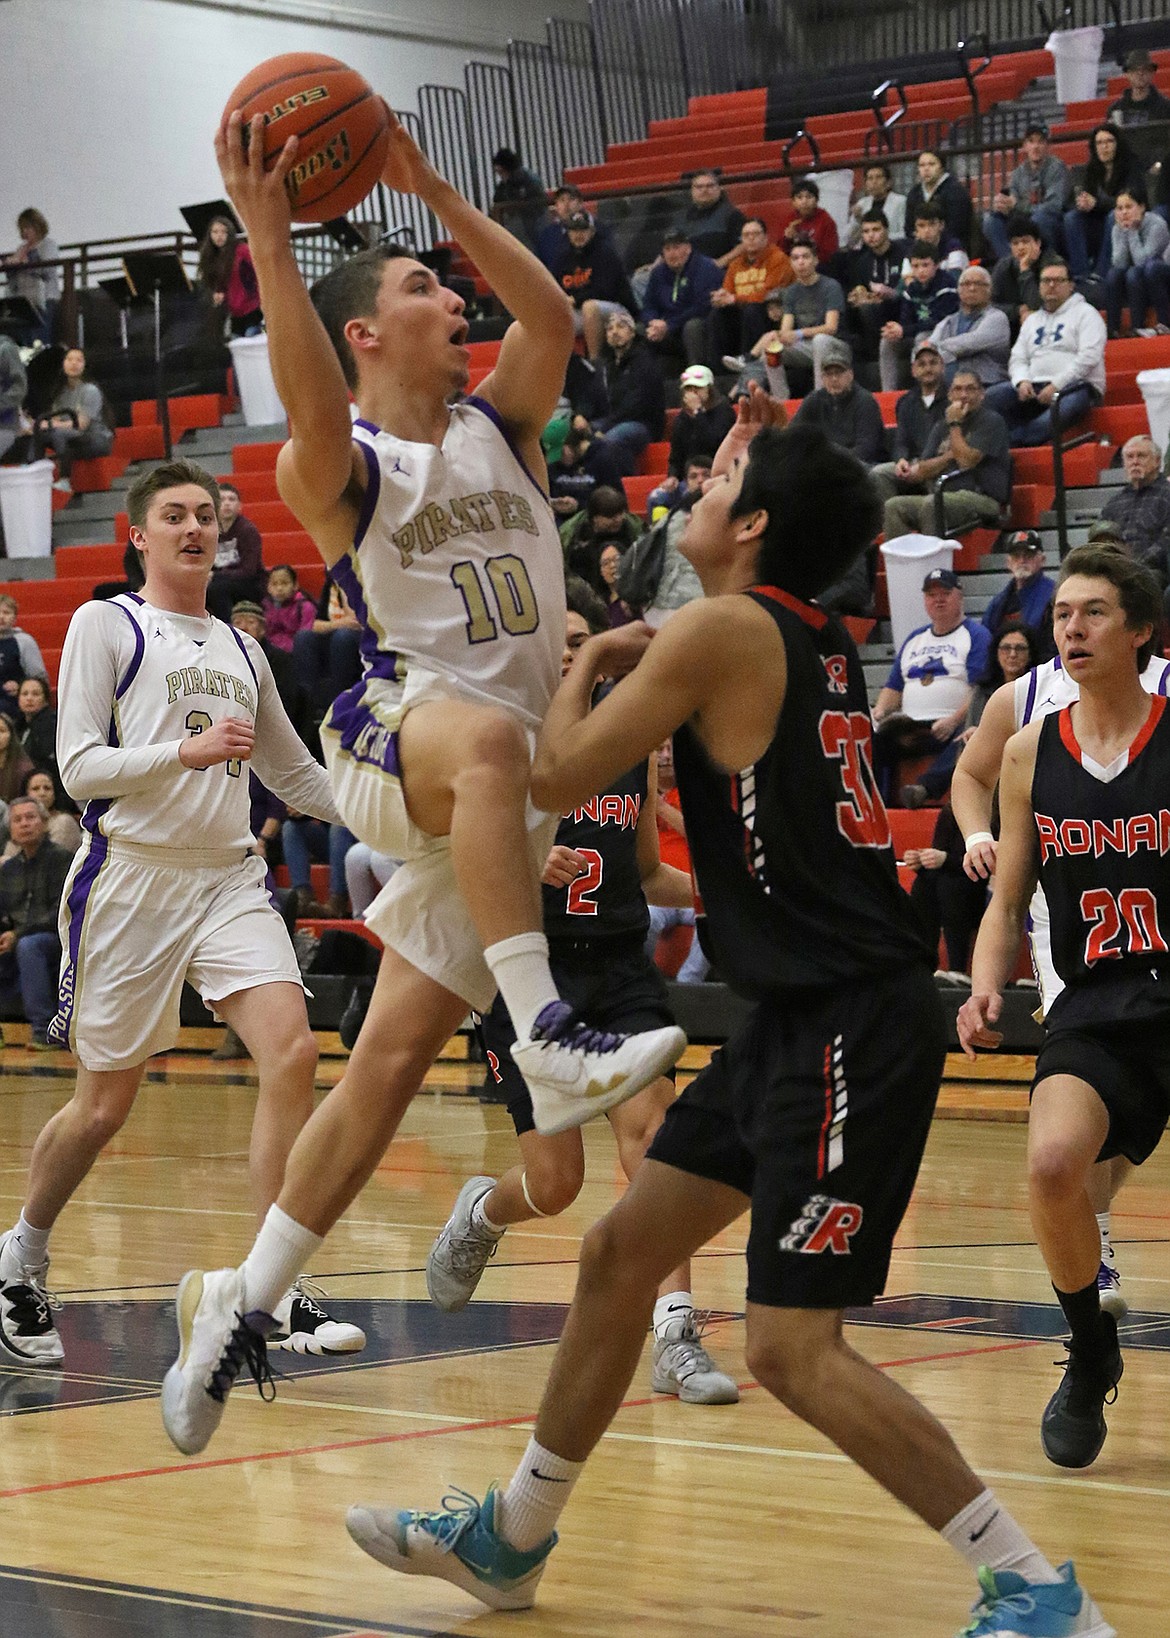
(1105, 871)
(607, 899)
(792, 856)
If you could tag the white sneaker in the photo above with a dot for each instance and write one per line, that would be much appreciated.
(1109, 1287)
(734, 362)
(683, 1366)
(304, 1327)
(462, 1250)
(574, 1072)
(215, 1341)
(27, 1331)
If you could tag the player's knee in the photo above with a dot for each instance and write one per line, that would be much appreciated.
(497, 741)
(781, 1365)
(553, 1186)
(1056, 1168)
(101, 1119)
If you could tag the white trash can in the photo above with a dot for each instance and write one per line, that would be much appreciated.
(1077, 55)
(1155, 389)
(909, 559)
(26, 506)
(835, 188)
(258, 396)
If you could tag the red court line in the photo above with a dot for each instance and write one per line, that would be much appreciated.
(424, 1433)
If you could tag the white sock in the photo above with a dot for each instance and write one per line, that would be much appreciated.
(669, 1309)
(985, 1533)
(279, 1252)
(29, 1245)
(520, 968)
(1107, 1253)
(528, 1510)
(480, 1218)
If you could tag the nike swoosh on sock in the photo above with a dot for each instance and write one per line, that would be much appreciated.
(982, 1531)
(547, 1477)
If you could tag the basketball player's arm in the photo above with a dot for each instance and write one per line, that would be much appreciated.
(662, 883)
(281, 759)
(319, 473)
(1001, 931)
(974, 780)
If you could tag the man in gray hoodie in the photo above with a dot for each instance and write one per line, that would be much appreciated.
(1060, 349)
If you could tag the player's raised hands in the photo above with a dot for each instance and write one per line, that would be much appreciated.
(975, 1018)
(226, 741)
(260, 196)
(563, 866)
(407, 168)
(615, 653)
(754, 411)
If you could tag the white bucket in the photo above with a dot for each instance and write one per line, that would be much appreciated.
(26, 506)
(835, 190)
(1155, 389)
(909, 559)
(258, 396)
(1077, 55)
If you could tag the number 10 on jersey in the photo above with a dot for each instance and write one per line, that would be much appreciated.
(512, 594)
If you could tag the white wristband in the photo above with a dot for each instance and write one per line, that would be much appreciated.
(978, 836)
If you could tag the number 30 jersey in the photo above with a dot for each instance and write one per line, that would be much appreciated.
(457, 565)
(793, 856)
(1104, 849)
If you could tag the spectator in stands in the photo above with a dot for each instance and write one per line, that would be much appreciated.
(326, 656)
(948, 902)
(812, 309)
(29, 277)
(19, 656)
(927, 298)
(1138, 276)
(878, 194)
(970, 449)
(239, 568)
(306, 842)
(977, 334)
(873, 278)
(226, 273)
(64, 828)
(702, 423)
(711, 222)
(15, 764)
(636, 400)
(1111, 167)
(589, 270)
(78, 424)
(250, 617)
(134, 577)
(30, 892)
(1015, 281)
(935, 185)
(917, 414)
(1038, 185)
(584, 463)
(553, 236)
(605, 521)
(1027, 598)
(811, 221)
(923, 704)
(673, 850)
(845, 412)
(741, 303)
(1141, 510)
(671, 493)
(13, 391)
(1061, 349)
(676, 310)
(617, 612)
(286, 609)
(36, 725)
(1141, 103)
(519, 198)
(928, 227)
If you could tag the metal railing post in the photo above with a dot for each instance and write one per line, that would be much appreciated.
(1059, 497)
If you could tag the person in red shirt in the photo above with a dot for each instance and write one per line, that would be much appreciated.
(811, 222)
(673, 850)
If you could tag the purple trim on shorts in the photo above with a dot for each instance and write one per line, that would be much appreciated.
(362, 736)
(247, 661)
(497, 421)
(77, 903)
(139, 647)
(1030, 702)
(373, 486)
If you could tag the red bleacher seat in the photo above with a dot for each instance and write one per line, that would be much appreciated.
(653, 460)
(911, 827)
(74, 562)
(50, 596)
(638, 491)
(139, 443)
(253, 487)
(95, 476)
(255, 457)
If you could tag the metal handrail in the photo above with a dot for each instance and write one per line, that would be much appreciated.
(886, 121)
(970, 74)
(794, 142)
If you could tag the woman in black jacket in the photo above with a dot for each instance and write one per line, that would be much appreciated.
(36, 728)
(1112, 167)
(702, 423)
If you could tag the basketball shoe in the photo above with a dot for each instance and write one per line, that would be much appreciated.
(575, 1072)
(1014, 1608)
(458, 1543)
(27, 1331)
(683, 1366)
(1109, 1288)
(462, 1250)
(1073, 1428)
(304, 1327)
(216, 1340)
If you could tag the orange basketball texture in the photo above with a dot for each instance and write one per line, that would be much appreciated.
(341, 124)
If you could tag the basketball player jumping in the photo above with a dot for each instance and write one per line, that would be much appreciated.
(764, 694)
(443, 540)
(162, 711)
(1083, 808)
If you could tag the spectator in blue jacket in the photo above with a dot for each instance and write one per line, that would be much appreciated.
(928, 297)
(1027, 597)
(678, 300)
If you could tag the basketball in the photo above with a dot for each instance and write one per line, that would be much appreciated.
(341, 124)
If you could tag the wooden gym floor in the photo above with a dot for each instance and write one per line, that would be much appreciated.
(721, 1522)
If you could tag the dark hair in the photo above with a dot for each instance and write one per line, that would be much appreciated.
(927, 211)
(1134, 190)
(1138, 590)
(567, 190)
(1037, 128)
(801, 242)
(581, 599)
(64, 384)
(877, 214)
(167, 475)
(31, 217)
(757, 221)
(1096, 175)
(972, 372)
(606, 502)
(877, 165)
(49, 775)
(350, 291)
(806, 185)
(934, 154)
(215, 261)
(924, 251)
(993, 676)
(698, 457)
(1052, 258)
(285, 568)
(822, 506)
(1021, 226)
(707, 170)
(506, 158)
(41, 684)
(226, 483)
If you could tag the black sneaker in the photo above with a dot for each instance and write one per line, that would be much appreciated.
(304, 1327)
(1073, 1429)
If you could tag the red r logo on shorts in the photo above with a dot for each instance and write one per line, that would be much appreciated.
(825, 1224)
(838, 670)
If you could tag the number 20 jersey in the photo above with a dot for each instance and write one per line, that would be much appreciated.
(457, 565)
(793, 855)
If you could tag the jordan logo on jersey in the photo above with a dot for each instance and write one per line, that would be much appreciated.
(480, 513)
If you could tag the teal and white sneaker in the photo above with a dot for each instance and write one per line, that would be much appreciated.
(1014, 1608)
(459, 1543)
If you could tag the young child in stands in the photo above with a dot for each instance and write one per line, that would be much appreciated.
(286, 608)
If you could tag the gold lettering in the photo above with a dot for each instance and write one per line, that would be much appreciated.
(243, 694)
(406, 541)
(439, 523)
(424, 529)
(194, 678)
(174, 686)
(480, 504)
(524, 514)
(462, 516)
(506, 509)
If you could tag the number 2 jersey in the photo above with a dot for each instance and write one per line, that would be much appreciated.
(457, 565)
(1104, 849)
(606, 900)
(793, 856)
